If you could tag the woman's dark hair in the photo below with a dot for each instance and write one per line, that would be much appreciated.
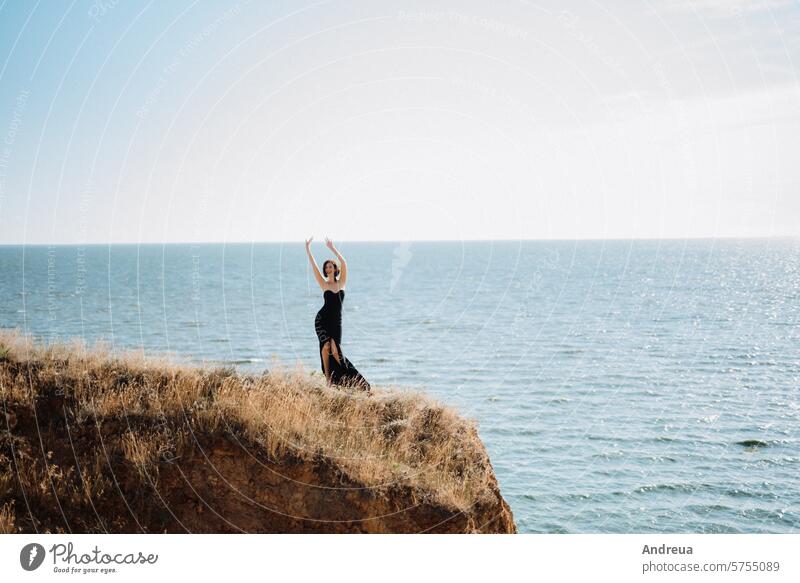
(335, 267)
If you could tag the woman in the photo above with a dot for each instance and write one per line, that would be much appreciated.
(328, 323)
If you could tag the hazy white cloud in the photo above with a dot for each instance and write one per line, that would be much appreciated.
(728, 8)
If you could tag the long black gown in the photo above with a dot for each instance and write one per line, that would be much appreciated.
(328, 324)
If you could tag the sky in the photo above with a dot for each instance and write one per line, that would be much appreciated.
(150, 122)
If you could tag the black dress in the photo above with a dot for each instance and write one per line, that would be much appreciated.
(328, 324)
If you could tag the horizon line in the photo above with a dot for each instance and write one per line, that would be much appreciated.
(348, 241)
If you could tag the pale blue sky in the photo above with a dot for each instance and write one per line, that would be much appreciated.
(126, 121)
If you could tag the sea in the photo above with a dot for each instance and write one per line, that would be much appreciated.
(620, 386)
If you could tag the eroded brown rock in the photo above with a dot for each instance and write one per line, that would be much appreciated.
(90, 444)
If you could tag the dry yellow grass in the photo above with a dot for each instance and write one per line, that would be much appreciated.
(379, 440)
(7, 525)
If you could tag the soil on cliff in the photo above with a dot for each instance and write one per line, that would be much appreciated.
(92, 441)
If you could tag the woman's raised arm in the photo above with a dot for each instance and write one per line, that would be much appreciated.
(317, 274)
(343, 263)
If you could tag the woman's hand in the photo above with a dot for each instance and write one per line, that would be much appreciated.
(308, 242)
(329, 244)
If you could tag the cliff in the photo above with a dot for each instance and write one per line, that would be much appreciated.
(97, 442)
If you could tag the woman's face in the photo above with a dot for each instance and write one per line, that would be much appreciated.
(329, 269)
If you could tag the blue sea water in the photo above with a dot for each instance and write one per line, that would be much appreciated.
(619, 386)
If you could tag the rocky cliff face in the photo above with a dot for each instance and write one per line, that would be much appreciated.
(91, 443)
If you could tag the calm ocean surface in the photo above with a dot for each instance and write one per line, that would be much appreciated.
(619, 386)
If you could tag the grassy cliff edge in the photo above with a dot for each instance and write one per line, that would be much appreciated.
(92, 441)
